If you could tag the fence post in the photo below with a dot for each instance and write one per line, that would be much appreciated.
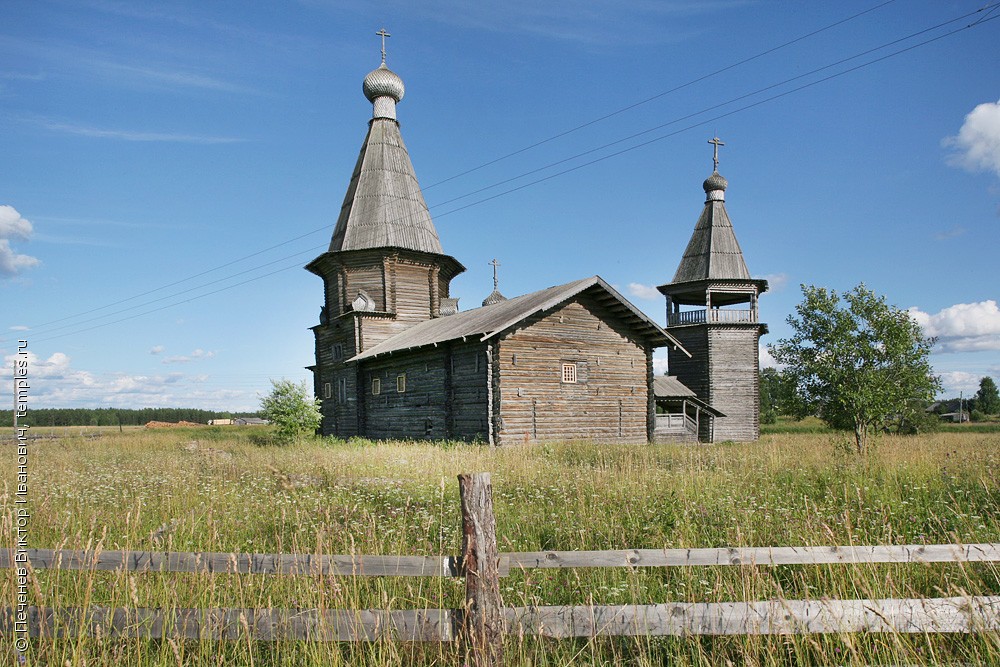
(482, 620)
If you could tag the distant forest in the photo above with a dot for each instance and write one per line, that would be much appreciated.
(115, 416)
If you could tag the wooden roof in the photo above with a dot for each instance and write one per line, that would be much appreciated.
(713, 253)
(492, 320)
(667, 388)
(384, 207)
(713, 256)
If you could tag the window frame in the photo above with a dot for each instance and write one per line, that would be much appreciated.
(569, 373)
(401, 383)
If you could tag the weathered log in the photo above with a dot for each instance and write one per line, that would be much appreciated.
(482, 622)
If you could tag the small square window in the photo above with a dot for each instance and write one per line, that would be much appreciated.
(401, 383)
(569, 372)
(376, 386)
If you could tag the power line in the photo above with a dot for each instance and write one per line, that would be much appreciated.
(659, 95)
(805, 86)
(486, 164)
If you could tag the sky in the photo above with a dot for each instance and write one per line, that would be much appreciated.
(168, 168)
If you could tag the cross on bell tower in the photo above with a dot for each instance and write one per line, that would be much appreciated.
(716, 141)
(383, 34)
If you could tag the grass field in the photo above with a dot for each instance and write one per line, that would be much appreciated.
(221, 489)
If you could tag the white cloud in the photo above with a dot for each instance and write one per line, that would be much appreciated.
(964, 327)
(953, 382)
(19, 327)
(188, 358)
(54, 383)
(954, 232)
(977, 145)
(776, 281)
(660, 364)
(766, 360)
(12, 263)
(641, 291)
(157, 349)
(13, 226)
(133, 135)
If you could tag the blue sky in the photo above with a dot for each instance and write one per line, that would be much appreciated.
(168, 168)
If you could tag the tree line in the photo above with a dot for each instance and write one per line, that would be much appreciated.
(115, 416)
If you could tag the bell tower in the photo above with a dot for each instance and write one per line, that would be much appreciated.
(712, 310)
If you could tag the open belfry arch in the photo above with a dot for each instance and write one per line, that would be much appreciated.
(396, 359)
(712, 309)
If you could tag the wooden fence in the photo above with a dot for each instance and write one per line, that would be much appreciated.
(483, 620)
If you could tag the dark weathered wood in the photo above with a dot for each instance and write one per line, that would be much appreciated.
(760, 556)
(772, 617)
(323, 625)
(223, 563)
(482, 620)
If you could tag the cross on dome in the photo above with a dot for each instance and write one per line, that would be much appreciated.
(715, 157)
(495, 264)
(383, 34)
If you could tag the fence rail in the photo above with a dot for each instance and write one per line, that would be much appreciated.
(451, 566)
(773, 617)
(483, 621)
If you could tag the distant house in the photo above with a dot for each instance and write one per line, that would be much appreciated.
(395, 359)
(220, 422)
(250, 421)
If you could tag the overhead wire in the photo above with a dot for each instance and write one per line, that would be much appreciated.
(536, 144)
(986, 18)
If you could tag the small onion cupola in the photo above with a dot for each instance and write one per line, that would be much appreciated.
(495, 296)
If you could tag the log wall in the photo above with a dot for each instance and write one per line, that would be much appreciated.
(724, 372)
(607, 403)
(445, 395)
(734, 376)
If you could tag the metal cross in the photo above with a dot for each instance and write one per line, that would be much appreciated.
(383, 34)
(494, 264)
(715, 157)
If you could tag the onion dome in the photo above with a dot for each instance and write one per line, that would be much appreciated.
(384, 89)
(715, 186)
(494, 297)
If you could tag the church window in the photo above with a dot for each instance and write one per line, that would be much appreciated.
(401, 383)
(376, 386)
(338, 352)
(327, 390)
(569, 373)
(342, 390)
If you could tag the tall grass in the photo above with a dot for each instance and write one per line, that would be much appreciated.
(217, 489)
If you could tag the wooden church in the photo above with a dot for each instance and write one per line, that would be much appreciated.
(396, 359)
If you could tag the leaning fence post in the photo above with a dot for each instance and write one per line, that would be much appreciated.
(482, 619)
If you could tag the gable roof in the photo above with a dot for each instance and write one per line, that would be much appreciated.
(384, 207)
(492, 320)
